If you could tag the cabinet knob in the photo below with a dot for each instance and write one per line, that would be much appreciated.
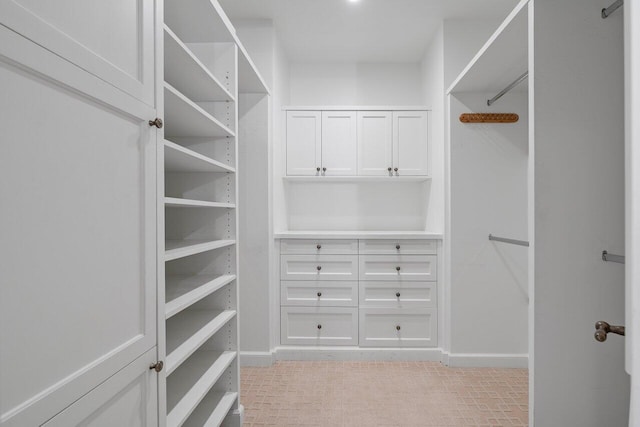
(319, 326)
(157, 366)
(319, 294)
(319, 246)
(157, 122)
(395, 169)
(398, 294)
(398, 247)
(397, 327)
(319, 267)
(389, 169)
(324, 169)
(318, 169)
(398, 268)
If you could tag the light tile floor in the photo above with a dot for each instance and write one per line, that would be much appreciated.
(385, 394)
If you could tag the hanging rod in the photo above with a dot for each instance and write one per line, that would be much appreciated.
(606, 256)
(508, 88)
(510, 241)
(609, 10)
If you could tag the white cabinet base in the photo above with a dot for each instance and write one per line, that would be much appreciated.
(319, 326)
(384, 327)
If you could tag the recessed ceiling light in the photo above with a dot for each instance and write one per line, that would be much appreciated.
(354, 1)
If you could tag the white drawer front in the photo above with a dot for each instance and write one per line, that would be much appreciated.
(386, 327)
(398, 247)
(398, 295)
(398, 267)
(319, 293)
(319, 267)
(319, 326)
(322, 246)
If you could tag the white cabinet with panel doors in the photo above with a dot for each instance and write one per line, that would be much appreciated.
(366, 292)
(363, 143)
(101, 203)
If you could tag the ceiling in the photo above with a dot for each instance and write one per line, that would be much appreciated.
(364, 31)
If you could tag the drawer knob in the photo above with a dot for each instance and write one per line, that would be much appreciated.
(157, 122)
(398, 268)
(319, 247)
(319, 294)
(319, 268)
(397, 327)
(398, 294)
(157, 366)
(398, 247)
(319, 326)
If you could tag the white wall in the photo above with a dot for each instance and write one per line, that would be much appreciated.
(579, 211)
(432, 70)
(356, 84)
(259, 193)
(488, 282)
(473, 298)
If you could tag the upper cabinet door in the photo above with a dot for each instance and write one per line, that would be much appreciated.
(339, 146)
(113, 40)
(375, 143)
(304, 132)
(410, 143)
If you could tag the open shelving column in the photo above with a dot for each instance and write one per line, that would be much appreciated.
(202, 62)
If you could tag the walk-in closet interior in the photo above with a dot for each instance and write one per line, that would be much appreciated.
(328, 213)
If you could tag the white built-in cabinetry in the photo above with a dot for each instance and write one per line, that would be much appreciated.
(358, 292)
(126, 275)
(359, 142)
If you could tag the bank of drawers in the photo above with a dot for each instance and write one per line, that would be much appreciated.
(379, 293)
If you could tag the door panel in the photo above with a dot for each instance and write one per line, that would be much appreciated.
(112, 40)
(303, 142)
(410, 143)
(78, 232)
(129, 398)
(339, 146)
(375, 138)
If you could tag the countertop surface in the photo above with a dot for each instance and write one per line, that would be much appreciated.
(357, 235)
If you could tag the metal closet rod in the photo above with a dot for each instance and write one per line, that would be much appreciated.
(510, 241)
(609, 10)
(508, 88)
(606, 256)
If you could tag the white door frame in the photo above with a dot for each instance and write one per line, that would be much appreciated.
(632, 202)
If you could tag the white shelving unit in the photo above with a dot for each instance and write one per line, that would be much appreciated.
(205, 69)
(502, 58)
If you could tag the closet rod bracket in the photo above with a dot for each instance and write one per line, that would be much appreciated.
(607, 11)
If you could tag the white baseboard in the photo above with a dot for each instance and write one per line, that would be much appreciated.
(256, 358)
(484, 360)
(357, 353)
(454, 360)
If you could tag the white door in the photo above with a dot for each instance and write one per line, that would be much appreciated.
(339, 145)
(632, 185)
(303, 143)
(78, 191)
(113, 40)
(375, 136)
(410, 143)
